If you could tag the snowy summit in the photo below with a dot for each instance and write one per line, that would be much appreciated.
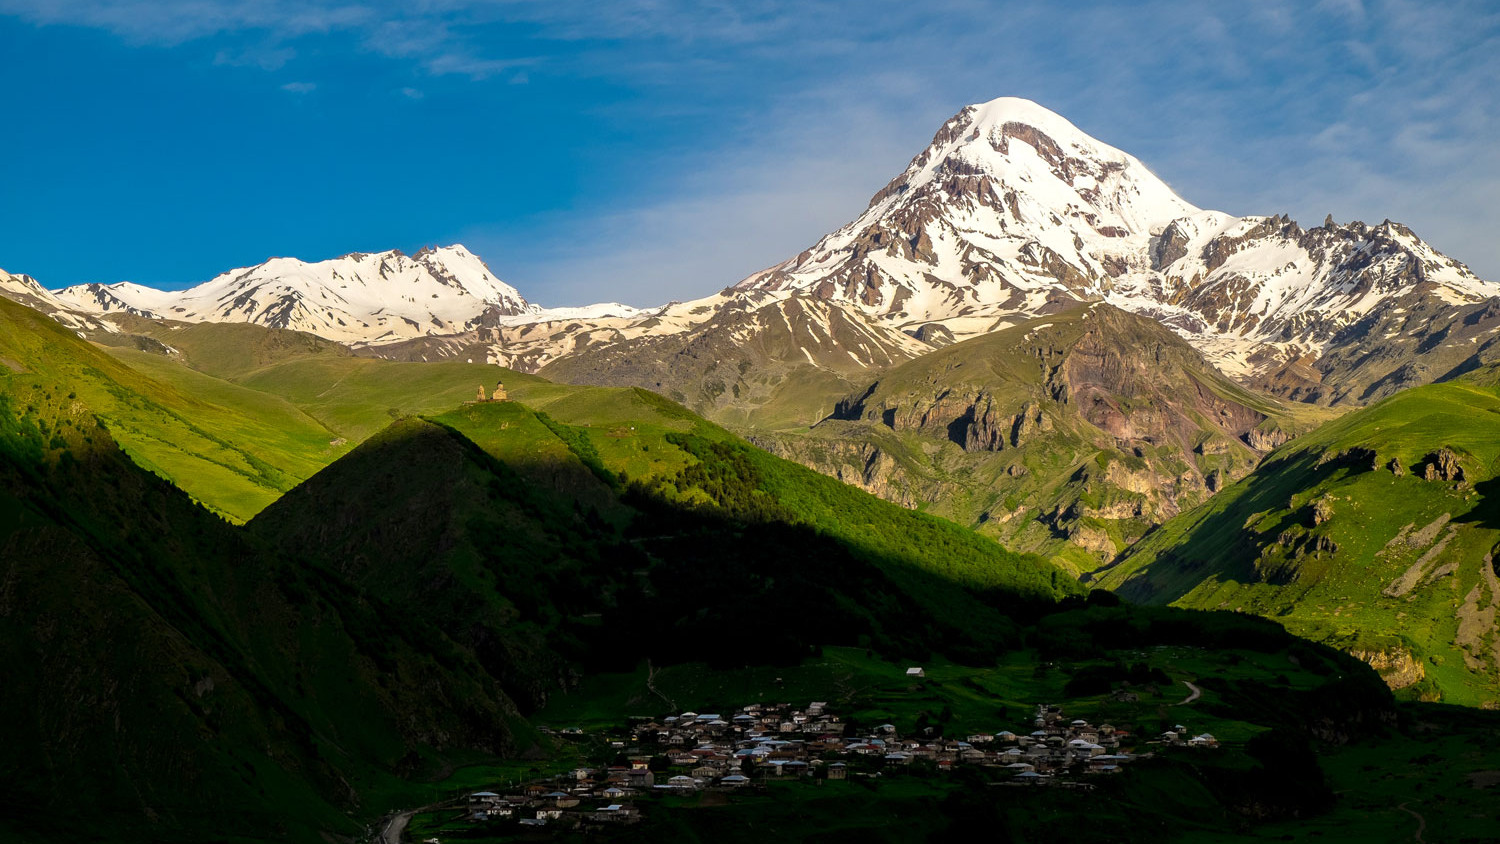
(359, 298)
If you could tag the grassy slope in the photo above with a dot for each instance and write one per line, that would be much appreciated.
(354, 397)
(358, 396)
(220, 445)
(626, 430)
(614, 466)
(1254, 547)
(283, 398)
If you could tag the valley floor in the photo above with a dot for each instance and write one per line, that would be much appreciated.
(1435, 767)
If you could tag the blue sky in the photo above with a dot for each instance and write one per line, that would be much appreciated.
(644, 150)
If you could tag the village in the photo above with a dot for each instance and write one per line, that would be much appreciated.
(747, 749)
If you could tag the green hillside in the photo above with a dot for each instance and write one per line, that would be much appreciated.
(645, 523)
(353, 397)
(191, 685)
(1376, 533)
(319, 397)
(227, 448)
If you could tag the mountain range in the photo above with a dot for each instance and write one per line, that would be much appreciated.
(358, 298)
(1010, 213)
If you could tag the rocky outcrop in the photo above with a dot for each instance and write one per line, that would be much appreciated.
(1322, 511)
(1397, 666)
(1442, 465)
(1130, 425)
(1262, 439)
(1358, 458)
(862, 464)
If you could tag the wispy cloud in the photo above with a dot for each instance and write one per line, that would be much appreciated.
(420, 32)
(300, 87)
(168, 22)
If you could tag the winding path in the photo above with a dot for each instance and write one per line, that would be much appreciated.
(651, 685)
(1421, 823)
(393, 830)
(1194, 691)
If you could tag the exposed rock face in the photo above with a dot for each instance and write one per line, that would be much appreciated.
(1442, 465)
(1478, 634)
(1397, 667)
(1262, 440)
(1322, 511)
(862, 464)
(747, 355)
(1077, 430)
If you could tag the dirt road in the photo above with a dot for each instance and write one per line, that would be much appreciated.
(1194, 691)
(393, 830)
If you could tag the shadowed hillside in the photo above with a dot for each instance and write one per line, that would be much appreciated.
(1376, 533)
(185, 681)
(536, 552)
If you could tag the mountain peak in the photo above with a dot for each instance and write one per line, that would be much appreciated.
(1010, 210)
(1030, 149)
(358, 297)
(1003, 110)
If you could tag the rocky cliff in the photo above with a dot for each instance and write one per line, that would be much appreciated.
(1076, 431)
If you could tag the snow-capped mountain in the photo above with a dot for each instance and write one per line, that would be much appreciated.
(1010, 213)
(1008, 209)
(23, 287)
(742, 349)
(1013, 212)
(359, 298)
(27, 291)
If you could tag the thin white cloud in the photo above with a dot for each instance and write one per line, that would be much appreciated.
(300, 87)
(170, 22)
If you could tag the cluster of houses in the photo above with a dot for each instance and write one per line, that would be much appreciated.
(693, 752)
